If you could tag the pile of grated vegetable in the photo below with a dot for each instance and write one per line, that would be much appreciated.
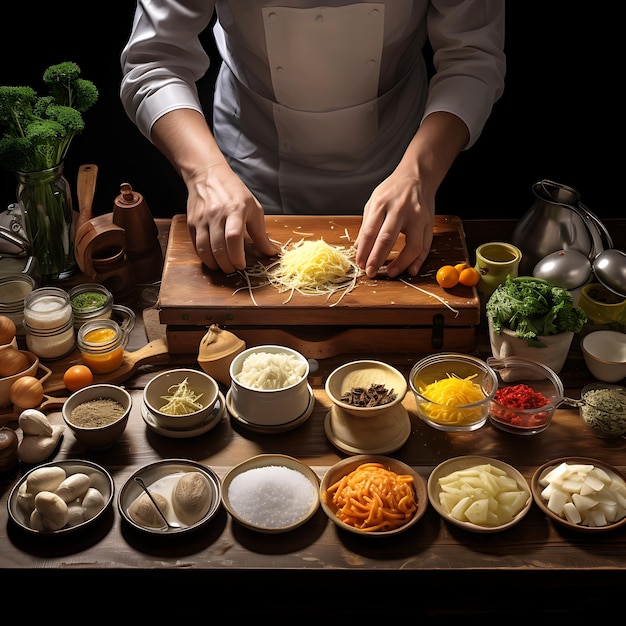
(311, 268)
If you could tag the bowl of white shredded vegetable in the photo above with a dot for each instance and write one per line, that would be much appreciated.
(181, 398)
(453, 391)
(269, 385)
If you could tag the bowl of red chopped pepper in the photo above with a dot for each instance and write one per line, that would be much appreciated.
(528, 394)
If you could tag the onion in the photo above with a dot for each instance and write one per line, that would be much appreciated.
(26, 392)
(12, 362)
(7, 330)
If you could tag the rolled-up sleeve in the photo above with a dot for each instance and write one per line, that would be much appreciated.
(470, 65)
(163, 59)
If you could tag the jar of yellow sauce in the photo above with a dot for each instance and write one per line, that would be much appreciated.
(101, 343)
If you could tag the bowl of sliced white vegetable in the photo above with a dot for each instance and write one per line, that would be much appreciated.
(479, 493)
(180, 399)
(580, 493)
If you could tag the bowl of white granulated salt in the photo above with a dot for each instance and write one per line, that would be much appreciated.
(271, 493)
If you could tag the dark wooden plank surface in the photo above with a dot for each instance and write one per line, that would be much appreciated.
(300, 573)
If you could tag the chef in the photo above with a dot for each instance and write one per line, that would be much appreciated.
(317, 110)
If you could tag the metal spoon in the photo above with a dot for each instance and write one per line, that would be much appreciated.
(140, 482)
(610, 269)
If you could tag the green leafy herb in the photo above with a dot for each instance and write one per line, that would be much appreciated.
(37, 130)
(533, 307)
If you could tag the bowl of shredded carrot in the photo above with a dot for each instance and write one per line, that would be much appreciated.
(453, 391)
(371, 495)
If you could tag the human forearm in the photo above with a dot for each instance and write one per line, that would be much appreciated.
(432, 151)
(185, 138)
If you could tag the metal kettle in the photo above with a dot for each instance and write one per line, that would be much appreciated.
(557, 220)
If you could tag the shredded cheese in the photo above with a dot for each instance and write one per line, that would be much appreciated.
(450, 399)
(311, 268)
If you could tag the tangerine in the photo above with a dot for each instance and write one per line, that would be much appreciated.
(459, 267)
(447, 276)
(469, 277)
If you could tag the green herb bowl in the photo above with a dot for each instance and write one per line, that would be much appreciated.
(528, 394)
(602, 408)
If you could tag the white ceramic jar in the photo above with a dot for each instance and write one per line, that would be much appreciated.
(49, 323)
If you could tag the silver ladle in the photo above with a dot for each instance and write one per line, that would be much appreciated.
(610, 269)
(169, 524)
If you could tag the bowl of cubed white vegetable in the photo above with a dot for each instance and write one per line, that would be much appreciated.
(479, 493)
(580, 493)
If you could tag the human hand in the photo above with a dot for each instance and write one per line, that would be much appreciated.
(399, 204)
(221, 210)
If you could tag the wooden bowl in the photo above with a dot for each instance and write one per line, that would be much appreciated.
(346, 466)
(617, 492)
(463, 464)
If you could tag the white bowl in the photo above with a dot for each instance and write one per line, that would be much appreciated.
(269, 407)
(604, 352)
(99, 437)
(161, 385)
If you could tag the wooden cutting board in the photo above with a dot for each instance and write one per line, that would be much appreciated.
(193, 297)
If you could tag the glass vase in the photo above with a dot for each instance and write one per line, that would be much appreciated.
(45, 200)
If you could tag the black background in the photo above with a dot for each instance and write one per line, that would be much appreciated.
(560, 116)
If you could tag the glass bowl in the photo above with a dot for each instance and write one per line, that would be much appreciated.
(527, 396)
(453, 391)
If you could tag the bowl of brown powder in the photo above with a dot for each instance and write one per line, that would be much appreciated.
(98, 414)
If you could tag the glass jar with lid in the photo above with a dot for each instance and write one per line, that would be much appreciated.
(90, 301)
(49, 323)
(13, 290)
(101, 343)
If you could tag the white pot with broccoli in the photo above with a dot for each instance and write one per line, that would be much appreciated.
(533, 318)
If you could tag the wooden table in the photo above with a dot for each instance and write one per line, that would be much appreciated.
(318, 568)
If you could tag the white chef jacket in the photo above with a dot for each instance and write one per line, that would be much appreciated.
(315, 105)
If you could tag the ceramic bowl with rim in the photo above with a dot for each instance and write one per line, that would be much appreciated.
(101, 430)
(271, 493)
(592, 501)
(81, 511)
(269, 385)
(467, 379)
(351, 479)
(366, 388)
(602, 408)
(528, 394)
(165, 384)
(503, 503)
(187, 505)
(604, 352)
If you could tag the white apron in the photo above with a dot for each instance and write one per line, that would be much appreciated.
(325, 137)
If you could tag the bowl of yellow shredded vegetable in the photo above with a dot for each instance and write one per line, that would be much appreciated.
(453, 391)
(181, 398)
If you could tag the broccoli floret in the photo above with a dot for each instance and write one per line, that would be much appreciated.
(68, 88)
(16, 108)
(37, 131)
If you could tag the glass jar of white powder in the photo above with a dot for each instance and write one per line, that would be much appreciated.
(49, 323)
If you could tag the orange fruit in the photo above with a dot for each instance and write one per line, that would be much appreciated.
(76, 377)
(447, 276)
(469, 277)
(459, 267)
